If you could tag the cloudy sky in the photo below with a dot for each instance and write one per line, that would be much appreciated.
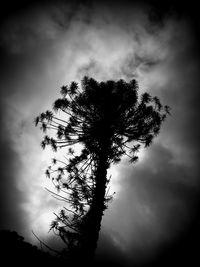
(44, 46)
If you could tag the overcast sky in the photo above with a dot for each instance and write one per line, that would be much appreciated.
(45, 46)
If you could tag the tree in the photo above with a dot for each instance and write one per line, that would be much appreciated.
(109, 120)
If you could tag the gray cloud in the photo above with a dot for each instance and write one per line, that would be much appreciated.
(10, 195)
(157, 202)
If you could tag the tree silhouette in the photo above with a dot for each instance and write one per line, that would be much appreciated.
(108, 120)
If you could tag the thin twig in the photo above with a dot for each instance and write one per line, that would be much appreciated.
(41, 242)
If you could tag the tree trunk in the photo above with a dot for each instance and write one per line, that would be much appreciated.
(92, 224)
(94, 216)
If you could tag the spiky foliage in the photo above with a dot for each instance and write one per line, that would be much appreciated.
(109, 120)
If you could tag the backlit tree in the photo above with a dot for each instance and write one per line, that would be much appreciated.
(108, 120)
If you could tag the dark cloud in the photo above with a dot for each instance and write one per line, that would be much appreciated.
(158, 202)
(20, 68)
(108, 251)
(12, 217)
